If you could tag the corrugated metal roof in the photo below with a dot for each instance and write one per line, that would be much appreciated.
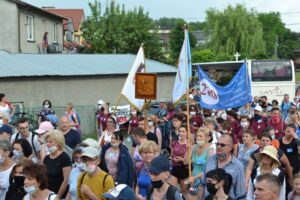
(17, 65)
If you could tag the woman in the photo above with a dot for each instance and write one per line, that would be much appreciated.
(179, 158)
(22, 149)
(5, 107)
(200, 151)
(71, 114)
(134, 121)
(246, 149)
(6, 165)
(148, 150)
(149, 134)
(58, 163)
(43, 129)
(268, 163)
(16, 188)
(176, 122)
(245, 124)
(153, 128)
(102, 117)
(35, 184)
(46, 110)
(107, 133)
(116, 160)
(196, 119)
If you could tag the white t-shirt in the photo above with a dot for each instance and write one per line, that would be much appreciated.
(4, 182)
(52, 197)
(36, 143)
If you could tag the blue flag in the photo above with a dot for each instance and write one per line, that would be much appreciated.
(235, 94)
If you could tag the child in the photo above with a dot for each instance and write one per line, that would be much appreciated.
(295, 194)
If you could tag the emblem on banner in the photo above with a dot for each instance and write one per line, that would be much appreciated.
(209, 94)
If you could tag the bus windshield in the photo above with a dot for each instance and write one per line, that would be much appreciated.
(271, 71)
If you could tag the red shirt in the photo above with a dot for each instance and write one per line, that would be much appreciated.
(279, 128)
(101, 118)
(258, 126)
(134, 122)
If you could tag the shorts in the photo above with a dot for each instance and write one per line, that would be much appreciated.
(181, 172)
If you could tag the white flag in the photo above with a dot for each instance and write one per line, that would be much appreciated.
(181, 85)
(128, 91)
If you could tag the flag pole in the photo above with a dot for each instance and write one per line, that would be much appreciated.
(145, 116)
(119, 99)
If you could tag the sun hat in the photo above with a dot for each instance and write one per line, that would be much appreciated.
(44, 127)
(270, 151)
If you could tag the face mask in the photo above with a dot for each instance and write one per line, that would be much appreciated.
(133, 112)
(276, 119)
(192, 113)
(257, 117)
(52, 149)
(150, 123)
(115, 145)
(224, 131)
(19, 180)
(244, 124)
(90, 168)
(273, 137)
(200, 142)
(46, 106)
(157, 184)
(18, 154)
(180, 137)
(102, 109)
(80, 165)
(1, 160)
(211, 188)
(30, 189)
(221, 156)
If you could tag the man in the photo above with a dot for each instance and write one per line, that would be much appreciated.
(288, 144)
(120, 192)
(245, 110)
(72, 137)
(267, 187)
(198, 95)
(23, 128)
(277, 123)
(5, 132)
(255, 102)
(264, 103)
(224, 159)
(285, 105)
(288, 117)
(258, 122)
(94, 182)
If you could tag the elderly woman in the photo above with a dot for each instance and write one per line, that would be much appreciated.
(268, 163)
(58, 163)
(117, 161)
(111, 125)
(35, 184)
(148, 150)
(6, 165)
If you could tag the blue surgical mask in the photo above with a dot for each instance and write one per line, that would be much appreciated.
(18, 154)
(30, 189)
(52, 149)
(1, 160)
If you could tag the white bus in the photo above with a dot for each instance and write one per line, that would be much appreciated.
(271, 78)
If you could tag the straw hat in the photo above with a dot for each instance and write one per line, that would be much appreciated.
(270, 151)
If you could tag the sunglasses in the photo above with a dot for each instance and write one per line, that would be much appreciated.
(221, 144)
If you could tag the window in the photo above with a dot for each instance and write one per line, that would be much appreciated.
(271, 71)
(29, 26)
(55, 32)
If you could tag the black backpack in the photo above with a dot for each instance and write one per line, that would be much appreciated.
(170, 193)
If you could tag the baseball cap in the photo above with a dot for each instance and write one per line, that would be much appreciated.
(90, 152)
(44, 127)
(120, 192)
(160, 164)
(258, 108)
(6, 128)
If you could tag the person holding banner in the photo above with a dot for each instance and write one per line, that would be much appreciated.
(111, 125)
(134, 121)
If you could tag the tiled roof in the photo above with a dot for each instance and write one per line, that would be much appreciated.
(32, 65)
(75, 14)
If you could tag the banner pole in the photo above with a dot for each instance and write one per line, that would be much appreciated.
(119, 99)
(145, 116)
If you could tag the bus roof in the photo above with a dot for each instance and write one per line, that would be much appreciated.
(222, 62)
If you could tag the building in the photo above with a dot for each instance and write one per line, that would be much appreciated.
(202, 37)
(76, 16)
(23, 26)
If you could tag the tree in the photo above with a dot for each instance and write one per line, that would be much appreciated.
(235, 30)
(166, 23)
(203, 56)
(272, 27)
(287, 44)
(176, 39)
(120, 31)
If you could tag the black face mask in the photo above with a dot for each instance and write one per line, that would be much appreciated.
(102, 109)
(257, 117)
(211, 188)
(157, 184)
(19, 180)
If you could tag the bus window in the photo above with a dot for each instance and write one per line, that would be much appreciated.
(271, 71)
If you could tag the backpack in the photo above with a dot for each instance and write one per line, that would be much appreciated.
(77, 116)
(32, 137)
(170, 193)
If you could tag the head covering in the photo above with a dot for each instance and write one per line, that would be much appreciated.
(6, 128)
(120, 192)
(160, 164)
(270, 151)
(52, 118)
(91, 142)
(258, 108)
(90, 152)
(44, 127)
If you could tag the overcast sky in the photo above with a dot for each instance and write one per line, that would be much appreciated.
(191, 10)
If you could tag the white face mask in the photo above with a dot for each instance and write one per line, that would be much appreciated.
(30, 189)
(89, 168)
(192, 113)
(46, 106)
(80, 165)
(1, 122)
(150, 124)
(52, 149)
(133, 112)
(200, 142)
(244, 124)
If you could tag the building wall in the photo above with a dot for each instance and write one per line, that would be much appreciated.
(41, 24)
(81, 91)
(9, 26)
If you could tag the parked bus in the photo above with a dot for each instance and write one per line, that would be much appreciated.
(271, 78)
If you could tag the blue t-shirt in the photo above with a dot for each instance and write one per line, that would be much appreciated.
(73, 182)
(143, 180)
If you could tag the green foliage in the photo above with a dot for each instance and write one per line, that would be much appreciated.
(287, 44)
(166, 23)
(207, 55)
(235, 30)
(120, 31)
(196, 26)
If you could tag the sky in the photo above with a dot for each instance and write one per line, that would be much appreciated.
(190, 10)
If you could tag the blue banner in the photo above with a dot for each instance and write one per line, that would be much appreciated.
(235, 94)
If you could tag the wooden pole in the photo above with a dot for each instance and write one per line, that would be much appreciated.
(119, 99)
(189, 132)
(145, 116)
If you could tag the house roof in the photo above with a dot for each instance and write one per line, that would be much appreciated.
(28, 7)
(32, 65)
(75, 14)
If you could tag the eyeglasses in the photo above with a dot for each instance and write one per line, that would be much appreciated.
(222, 144)
(24, 128)
(109, 122)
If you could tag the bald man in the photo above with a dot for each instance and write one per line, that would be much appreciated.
(72, 137)
(267, 187)
(224, 159)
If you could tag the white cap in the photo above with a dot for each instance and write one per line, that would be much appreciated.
(258, 108)
(90, 152)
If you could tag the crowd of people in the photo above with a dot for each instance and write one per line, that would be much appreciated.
(251, 153)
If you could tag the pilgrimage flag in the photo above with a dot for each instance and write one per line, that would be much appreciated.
(184, 72)
(128, 91)
(235, 94)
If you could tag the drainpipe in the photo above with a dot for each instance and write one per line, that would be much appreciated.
(19, 34)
